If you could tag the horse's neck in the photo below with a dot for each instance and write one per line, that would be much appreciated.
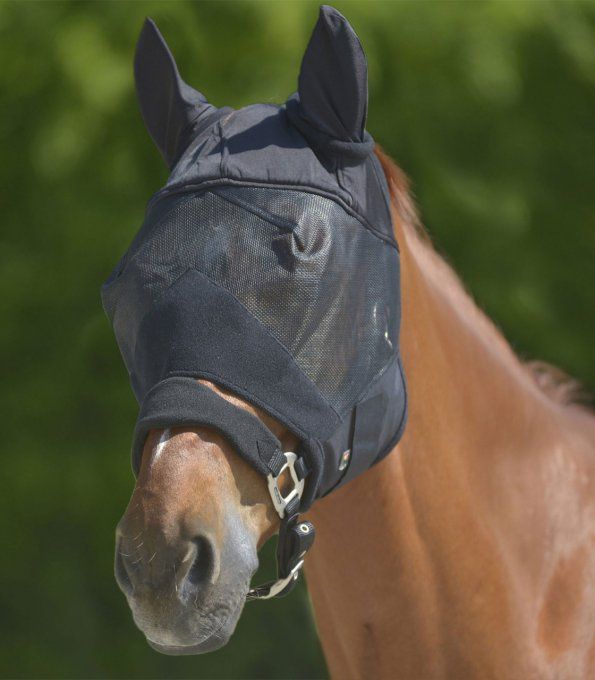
(399, 570)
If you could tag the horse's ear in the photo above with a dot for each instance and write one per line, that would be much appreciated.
(333, 81)
(168, 105)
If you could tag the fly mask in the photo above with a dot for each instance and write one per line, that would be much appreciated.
(267, 265)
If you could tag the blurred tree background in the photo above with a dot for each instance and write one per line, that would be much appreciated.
(488, 106)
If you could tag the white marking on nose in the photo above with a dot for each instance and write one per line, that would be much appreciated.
(161, 445)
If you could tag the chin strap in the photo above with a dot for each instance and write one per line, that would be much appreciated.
(295, 537)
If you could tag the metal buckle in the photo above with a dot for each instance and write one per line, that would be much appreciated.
(277, 586)
(279, 500)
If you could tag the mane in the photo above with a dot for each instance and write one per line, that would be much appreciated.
(552, 381)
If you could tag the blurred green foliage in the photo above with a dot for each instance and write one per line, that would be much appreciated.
(489, 108)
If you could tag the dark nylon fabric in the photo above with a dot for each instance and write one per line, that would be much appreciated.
(267, 264)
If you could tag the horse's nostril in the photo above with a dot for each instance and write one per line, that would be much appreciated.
(201, 569)
(121, 573)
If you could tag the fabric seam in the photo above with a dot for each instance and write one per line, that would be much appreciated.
(399, 431)
(276, 340)
(286, 225)
(230, 181)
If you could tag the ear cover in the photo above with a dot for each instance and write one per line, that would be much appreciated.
(333, 81)
(170, 108)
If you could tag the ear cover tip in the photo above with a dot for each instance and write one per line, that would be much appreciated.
(328, 12)
(151, 48)
(149, 31)
(150, 24)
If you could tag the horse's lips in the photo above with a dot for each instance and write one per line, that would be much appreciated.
(216, 640)
(213, 642)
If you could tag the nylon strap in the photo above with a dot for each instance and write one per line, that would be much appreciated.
(184, 402)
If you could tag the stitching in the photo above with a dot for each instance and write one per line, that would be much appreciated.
(259, 212)
(382, 180)
(222, 181)
(373, 381)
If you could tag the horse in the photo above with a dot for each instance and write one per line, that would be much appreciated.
(466, 552)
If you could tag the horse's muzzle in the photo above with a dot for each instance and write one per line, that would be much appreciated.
(186, 596)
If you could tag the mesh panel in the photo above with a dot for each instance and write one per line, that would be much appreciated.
(322, 284)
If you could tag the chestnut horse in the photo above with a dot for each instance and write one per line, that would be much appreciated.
(466, 553)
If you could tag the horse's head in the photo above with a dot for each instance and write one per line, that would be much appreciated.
(257, 311)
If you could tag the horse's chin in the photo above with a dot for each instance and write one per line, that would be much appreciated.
(215, 641)
(168, 644)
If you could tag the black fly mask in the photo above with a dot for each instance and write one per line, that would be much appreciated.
(267, 265)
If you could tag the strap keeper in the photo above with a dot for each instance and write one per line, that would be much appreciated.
(271, 456)
(301, 468)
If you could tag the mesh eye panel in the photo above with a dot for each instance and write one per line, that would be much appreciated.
(322, 284)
